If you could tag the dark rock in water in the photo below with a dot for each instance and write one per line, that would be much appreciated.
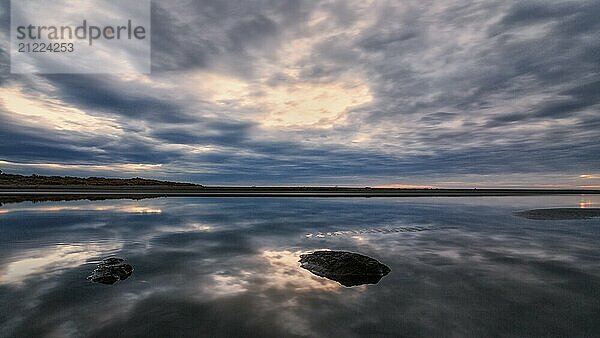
(111, 270)
(346, 268)
(560, 213)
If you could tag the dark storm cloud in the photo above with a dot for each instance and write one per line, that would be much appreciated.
(251, 32)
(30, 144)
(227, 133)
(168, 52)
(573, 17)
(4, 42)
(198, 34)
(24, 144)
(95, 93)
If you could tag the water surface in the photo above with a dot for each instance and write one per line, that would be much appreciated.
(229, 267)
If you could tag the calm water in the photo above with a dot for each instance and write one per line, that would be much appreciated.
(228, 267)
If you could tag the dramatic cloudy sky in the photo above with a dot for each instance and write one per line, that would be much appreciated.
(437, 93)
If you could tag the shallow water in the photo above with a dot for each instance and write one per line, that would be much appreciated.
(229, 267)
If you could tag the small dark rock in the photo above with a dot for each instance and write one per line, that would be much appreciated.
(346, 268)
(110, 271)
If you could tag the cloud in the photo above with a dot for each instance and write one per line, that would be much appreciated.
(335, 92)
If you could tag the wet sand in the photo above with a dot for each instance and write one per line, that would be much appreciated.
(560, 213)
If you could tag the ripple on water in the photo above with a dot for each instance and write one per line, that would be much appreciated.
(384, 230)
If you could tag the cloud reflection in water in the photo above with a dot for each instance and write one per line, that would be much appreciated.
(230, 267)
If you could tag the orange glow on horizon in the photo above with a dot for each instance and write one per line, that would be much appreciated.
(405, 186)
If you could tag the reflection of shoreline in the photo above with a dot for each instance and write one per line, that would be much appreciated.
(4, 199)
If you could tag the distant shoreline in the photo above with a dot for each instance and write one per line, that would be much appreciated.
(204, 191)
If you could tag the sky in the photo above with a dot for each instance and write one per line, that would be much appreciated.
(360, 93)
